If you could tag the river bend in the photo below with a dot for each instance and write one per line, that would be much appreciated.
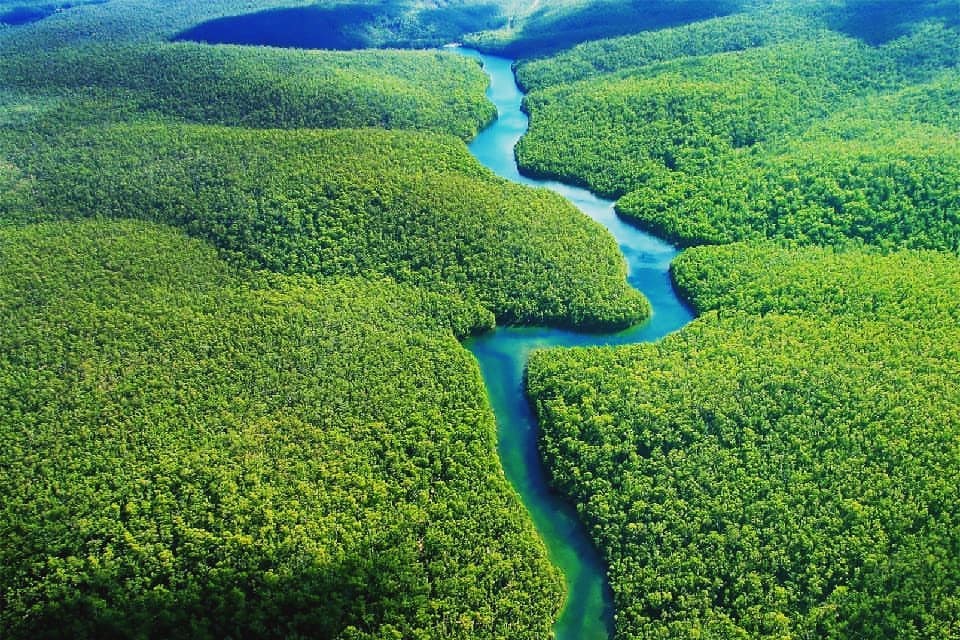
(502, 354)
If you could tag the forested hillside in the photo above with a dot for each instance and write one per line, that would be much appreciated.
(413, 207)
(267, 87)
(761, 124)
(196, 451)
(233, 279)
(232, 400)
(539, 28)
(785, 466)
(758, 278)
(319, 24)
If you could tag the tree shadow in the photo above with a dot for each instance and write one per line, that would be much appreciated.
(347, 26)
(545, 31)
(877, 22)
(363, 592)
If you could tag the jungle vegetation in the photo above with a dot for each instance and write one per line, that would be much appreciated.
(540, 28)
(761, 125)
(783, 467)
(232, 280)
(350, 26)
(266, 87)
(417, 208)
(232, 400)
(327, 24)
(195, 450)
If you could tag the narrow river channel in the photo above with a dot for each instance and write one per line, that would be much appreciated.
(588, 611)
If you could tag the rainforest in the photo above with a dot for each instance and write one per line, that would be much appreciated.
(413, 319)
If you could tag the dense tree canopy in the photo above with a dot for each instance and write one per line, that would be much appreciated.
(857, 178)
(262, 87)
(729, 33)
(784, 467)
(411, 206)
(190, 450)
(539, 28)
(759, 278)
(232, 403)
(759, 125)
(327, 24)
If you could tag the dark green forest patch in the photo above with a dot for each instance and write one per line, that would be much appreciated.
(880, 21)
(898, 187)
(26, 15)
(264, 87)
(196, 451)
(348, 26)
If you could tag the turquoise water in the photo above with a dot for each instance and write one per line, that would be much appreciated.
(588, 612)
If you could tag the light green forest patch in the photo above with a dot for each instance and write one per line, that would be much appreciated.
(194, 451)
(761, 278)
(783, 467)
(866, 179)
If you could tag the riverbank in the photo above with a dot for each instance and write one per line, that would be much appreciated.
(588, 612)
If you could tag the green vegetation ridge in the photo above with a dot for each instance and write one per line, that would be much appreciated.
(265, 87)
(540, 28)
(736, 32)
(415, 207)
(326, 24)
(813, 135)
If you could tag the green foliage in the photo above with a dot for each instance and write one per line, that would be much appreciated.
(190, 451)
(820, 138)
(372, 23)
(544, 27)
(262, 87)
(690, 114)
(17, 108)
(896, 186)
(790, 475)
(730, 33)
(759, 278)
(411, 206)
(350, 26)
(879, 21)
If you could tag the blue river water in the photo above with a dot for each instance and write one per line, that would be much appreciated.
(588, 610)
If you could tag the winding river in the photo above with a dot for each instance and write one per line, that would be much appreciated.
(588, 611)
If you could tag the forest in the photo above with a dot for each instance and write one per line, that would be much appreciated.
(195, 450)
(241, 243)
(264, 88)
(786, 465)
(414, 207)
(729, 129)
(233, 399)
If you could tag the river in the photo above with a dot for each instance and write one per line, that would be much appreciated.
(588, 611)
